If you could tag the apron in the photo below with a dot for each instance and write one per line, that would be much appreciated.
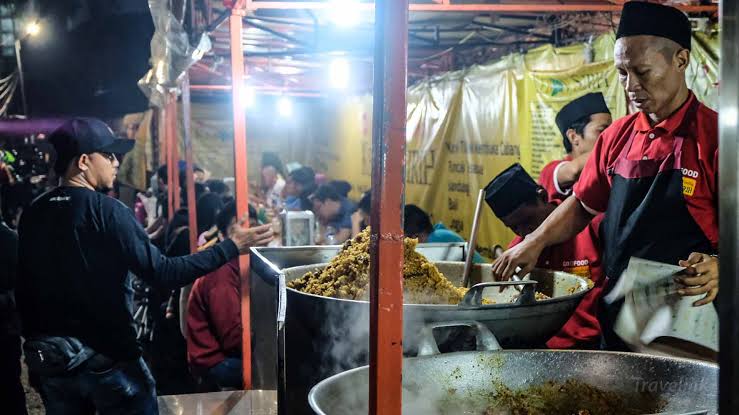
(647, 217)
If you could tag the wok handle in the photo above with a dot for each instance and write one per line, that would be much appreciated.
(473, 297)
(427, 346)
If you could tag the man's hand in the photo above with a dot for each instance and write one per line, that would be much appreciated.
(248, 238)
(524, 255)
(356, 219)
(700, 277)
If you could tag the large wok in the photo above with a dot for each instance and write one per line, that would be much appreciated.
(686, 386)
(325, 336)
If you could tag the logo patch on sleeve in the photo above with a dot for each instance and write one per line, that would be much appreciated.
(688, 186)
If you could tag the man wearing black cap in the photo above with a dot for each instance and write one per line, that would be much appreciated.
(580, 122)
(653, 173)
(522, 206)
(76, 249)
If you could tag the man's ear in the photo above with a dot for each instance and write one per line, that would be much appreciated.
(682, 59)
(82, 162)
(573, 137)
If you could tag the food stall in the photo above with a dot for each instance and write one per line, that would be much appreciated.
(389, 378)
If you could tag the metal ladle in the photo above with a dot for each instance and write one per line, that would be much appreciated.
(473, 240)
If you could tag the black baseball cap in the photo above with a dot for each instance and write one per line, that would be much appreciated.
(81, 135)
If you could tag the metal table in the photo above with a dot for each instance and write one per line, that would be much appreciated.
(254, 402)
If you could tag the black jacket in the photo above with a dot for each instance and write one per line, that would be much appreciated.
(76, 249)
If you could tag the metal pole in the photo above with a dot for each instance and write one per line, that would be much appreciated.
(175, 150)
(187, 138)
(242, 181)
(171, 168)
(388, 177)
(21, 77)
(173, 171)
(729, 186)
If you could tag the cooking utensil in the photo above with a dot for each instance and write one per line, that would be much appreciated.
(473, 240)
(324, 336)
(686, 386)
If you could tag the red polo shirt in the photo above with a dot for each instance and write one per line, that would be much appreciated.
(214, 318)
(699, 160)
(579, 256)
(548, 180)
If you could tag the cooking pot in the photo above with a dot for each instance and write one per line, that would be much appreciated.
(325, 336)
(467, 379)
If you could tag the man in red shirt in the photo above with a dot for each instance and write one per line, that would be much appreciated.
(214, 317)
(653, 173)
(522, 205)
(580, 122)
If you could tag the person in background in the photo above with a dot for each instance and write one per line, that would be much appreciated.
(522, 206)
(273, 181)
(417, 224)
(77, 249)
(300, 184)
(580, 122)
(208, 207)
(334, 214)
(12, 396)
(201, 175)
(361, 218)
(342, 187)
(214, 318)
(218, 187)
(653, 174)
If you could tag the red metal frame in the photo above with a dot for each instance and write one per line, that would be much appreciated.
(169, 119)
(388, 177)
(447, 6)
(242, 181)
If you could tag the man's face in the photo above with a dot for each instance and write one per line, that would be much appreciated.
(292, 188)
(102, 169)
(200, 176)
(527, 217)
(325, 210)
(269, 176)
(584, 143)
(651, 79)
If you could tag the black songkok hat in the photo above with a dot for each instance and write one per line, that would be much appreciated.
(642, 18)
(509, 190)
(586, 105)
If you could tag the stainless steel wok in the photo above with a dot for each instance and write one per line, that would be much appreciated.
(686, 386)
(325, 336)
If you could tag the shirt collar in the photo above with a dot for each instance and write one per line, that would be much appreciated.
(669, 124)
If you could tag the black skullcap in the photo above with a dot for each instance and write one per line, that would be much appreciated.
(509, 190)
(641, 18)
(582, 107)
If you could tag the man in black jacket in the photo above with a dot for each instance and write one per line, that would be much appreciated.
(76, 250)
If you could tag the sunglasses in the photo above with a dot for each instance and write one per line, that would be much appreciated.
(110, 156)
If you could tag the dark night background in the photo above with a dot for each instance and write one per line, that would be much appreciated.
(88, 57)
